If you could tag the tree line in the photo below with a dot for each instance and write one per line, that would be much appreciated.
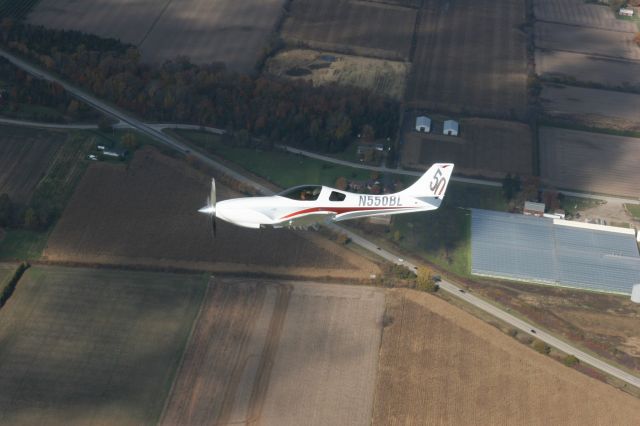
(322, 118)
(19, 91)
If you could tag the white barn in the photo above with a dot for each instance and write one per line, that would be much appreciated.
(450, 128)
(625, 11)
(423, 124)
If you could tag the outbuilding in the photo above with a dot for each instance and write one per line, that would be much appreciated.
(115, 153)
(533, 209)
(625, 11)
(423, 124)
(450, 128)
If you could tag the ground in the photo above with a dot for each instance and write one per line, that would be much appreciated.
(25, 156)
(6, 271)
(603, 324)
(440, 365)
(601, 42)
(383, 77)
(470, 56)
(589, 162)
(235, 33)
(381, 30)
(484, 147)
(589, 69)
(580, 13)
(146, 214)
(87, 346)
(259, 346)
(592, 107)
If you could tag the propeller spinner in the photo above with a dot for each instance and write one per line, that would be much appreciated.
(210, 208)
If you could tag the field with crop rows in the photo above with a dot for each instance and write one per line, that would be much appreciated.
(592, 107)
(82, 346)
(470, 55)
(590, 162)
(280, 353)
(570, 66)
(230, 32)
(356, 27)
(25, 156)
(146, 214)
(582, 13)
(441, 365)
(484, 147)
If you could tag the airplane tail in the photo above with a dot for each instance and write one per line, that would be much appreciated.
(433, 183)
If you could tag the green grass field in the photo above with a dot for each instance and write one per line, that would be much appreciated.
(6, 272)
(20, 244)
(82, 346)
(634, 210)
(281, 168)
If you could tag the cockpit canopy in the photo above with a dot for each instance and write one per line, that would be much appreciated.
(302, 193)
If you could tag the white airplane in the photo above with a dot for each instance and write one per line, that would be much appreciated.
(308, 205)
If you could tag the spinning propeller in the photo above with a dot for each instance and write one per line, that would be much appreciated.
(210, 208)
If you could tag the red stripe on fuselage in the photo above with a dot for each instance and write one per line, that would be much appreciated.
(340, 210)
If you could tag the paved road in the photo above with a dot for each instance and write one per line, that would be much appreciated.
(356, 239)
(399, 171)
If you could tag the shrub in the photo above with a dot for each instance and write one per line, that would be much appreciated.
(571, 360)
(541, 347)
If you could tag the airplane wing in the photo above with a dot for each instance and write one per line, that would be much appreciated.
(306, 221)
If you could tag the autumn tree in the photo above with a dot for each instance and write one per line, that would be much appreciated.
(425, 281)
(130, 141)
(342, 183)
(636, 38)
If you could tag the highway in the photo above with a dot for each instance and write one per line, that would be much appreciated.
(158, 135)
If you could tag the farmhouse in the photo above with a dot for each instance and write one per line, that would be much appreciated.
(450, 128)
(423, 124)
(625, 11)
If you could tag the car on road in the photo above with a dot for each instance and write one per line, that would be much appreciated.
(533, 331)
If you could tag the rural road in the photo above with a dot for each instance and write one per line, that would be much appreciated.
(158, 135)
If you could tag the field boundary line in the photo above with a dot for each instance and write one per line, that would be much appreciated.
(184, 351)
(591, 27)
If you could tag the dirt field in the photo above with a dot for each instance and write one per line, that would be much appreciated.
(579, 12)
(590, 162)
(273, 353)
(613, 44)
(146, 214)
(84, 346)
(484, 147)
(25, 156)
(470, 55)
(592, 107)
(359, 27)
(588, 68)
(206, 31)
(440, 365)
(383, 77)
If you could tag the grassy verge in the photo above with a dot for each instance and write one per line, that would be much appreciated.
(572, 205)
(634, 210)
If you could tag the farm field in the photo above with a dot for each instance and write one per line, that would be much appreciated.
(259, 346)
(579, 12)
(146, 214)
(603, 324)
(470, 56)
(6, 271)
(587, 68)
(613, 44)
(25, 156)
(84, 346)
(356, 27)
(590, 162)
(440, 363)
(484, 147)
(234, 33)
(383, 77)
(592, 107)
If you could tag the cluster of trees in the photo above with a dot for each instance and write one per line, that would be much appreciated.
(34, 217)
(17, 89)
(323, 118)
(517, 191)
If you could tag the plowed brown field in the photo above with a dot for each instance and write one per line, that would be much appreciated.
(280, 353)
(440, 365)
(470, 55)
(146, 214)
(25, 155)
